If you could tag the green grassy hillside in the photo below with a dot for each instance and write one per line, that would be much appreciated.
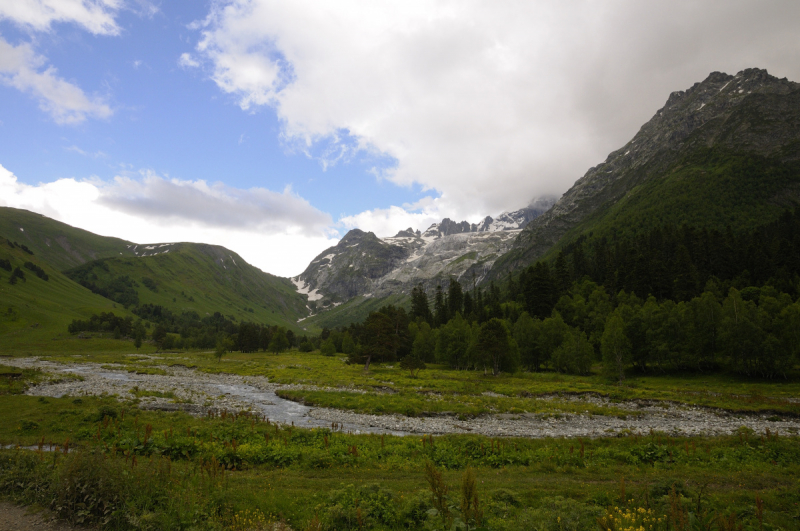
(195, 277)
(34, 313)
(102, 274)
(56, 243)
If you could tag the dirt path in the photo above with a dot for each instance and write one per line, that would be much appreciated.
(15, 518)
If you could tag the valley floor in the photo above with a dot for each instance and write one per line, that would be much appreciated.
(159, 441)
(178, 388)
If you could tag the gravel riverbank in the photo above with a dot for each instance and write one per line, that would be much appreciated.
(196, 392)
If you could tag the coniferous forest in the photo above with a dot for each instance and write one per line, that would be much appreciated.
(670, 298)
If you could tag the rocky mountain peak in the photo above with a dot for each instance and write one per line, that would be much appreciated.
(515, 220)
(408, 233)
(751, 111)
(355, 236)
(363, 264)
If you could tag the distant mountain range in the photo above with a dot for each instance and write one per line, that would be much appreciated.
(362, 264)
(723, 153)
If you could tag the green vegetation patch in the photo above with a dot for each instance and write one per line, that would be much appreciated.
(14, 381)
(223, 471)
(416, 404)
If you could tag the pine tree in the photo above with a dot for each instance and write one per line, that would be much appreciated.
(494, 346)
(540, 291)
(526, 334)
(563, 278)
(511, 286)
(348, 345)
(495, 311)
(469, 306)
(420, 309)
(328, 348)
(685, 274)
(439, 308)
(455, 297)
(379, 341)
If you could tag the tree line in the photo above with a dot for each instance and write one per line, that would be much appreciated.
(187, 330)
(669, 298)
(665, 299)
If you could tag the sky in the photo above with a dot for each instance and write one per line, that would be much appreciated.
(274, 127)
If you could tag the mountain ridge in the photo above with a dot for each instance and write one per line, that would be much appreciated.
(749, 112)
(180, 276)
(364, 265)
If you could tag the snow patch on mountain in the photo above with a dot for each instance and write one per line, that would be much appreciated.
(303, 289)
(362, 264)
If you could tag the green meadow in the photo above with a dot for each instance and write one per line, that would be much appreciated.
(105, 462)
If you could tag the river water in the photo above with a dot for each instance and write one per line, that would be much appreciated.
(197, 392)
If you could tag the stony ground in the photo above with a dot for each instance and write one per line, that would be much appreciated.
(196, 392)
(13, 518)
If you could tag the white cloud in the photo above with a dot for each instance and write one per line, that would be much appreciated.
(389, 221)
(279, 239)
(22, 69)
(216, 205)
(186, 61)
(144, 8)
(489, 103)
(96, 155)
(95, 16)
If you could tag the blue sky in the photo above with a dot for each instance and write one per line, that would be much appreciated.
(169, 119)
(274, 127)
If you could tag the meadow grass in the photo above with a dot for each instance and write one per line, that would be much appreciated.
(325, 476)
(238, 471)
(386, 388)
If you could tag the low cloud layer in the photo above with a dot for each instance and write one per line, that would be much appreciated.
(277, 232)
(488, 104)
(215, 205)
(389, 221)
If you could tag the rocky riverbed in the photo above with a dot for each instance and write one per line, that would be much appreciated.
(181, 388)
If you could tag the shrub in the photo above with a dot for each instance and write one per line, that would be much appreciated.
(89, 489)
(574, 355)
(362, 507)
(328, 347)
(305, 346)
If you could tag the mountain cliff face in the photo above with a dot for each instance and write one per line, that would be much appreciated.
(723, 153)
(363, 264)
(686, 148)
(516, 220)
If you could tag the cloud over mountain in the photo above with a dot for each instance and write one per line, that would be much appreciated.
(489, 104)
(278, 232)
(214, 205)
